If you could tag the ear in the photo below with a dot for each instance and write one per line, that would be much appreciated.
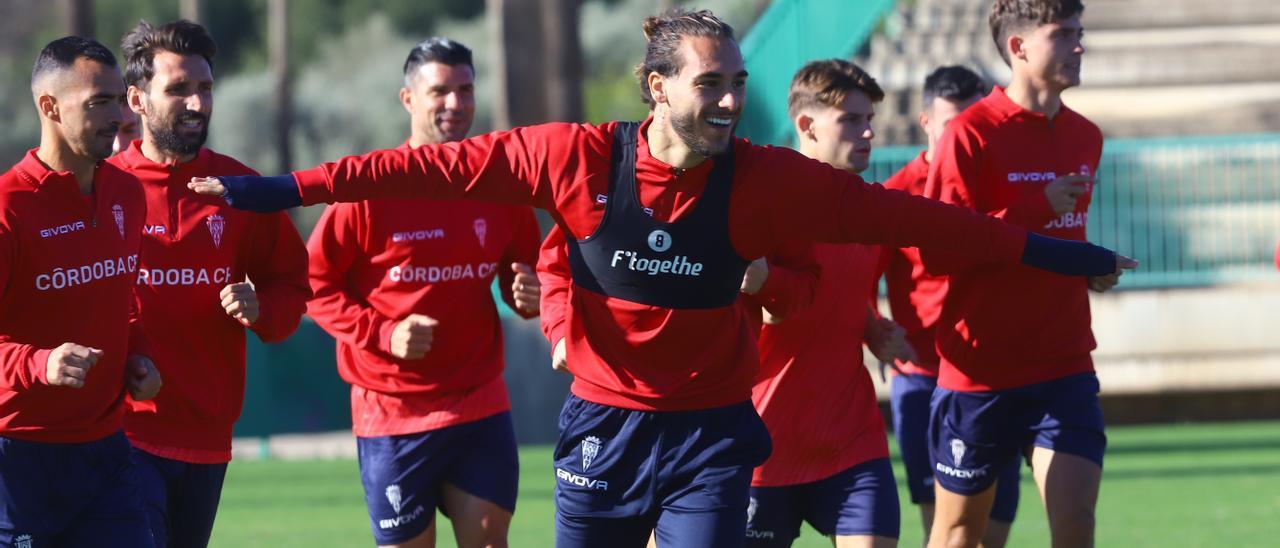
(1014, 46)
(924, 120)
(406, 99)
(804, 126)
(135, 98)
(657, 87)
(47, 105)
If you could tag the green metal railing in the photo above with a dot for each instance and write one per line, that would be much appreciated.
(789, 34)
(1192, 210)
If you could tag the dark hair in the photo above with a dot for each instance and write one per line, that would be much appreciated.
(436, 50)
(181, 37)
(663, 35)
(62, 53)
(953, 83)
(1010, 16)
(828, 83)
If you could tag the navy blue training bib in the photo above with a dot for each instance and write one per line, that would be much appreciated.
(685, 264)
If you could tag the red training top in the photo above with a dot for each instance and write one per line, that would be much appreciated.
(915, 296)
(641, 357)
(68, 262)
(192, 247)
(814, 392)
(375, 262)
(1008, 325)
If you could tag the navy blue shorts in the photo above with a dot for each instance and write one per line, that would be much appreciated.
(909, 398)
(685, 475)
(862, 500)
(70, 494)
(180, 498)
(972, 435)
(403, 475)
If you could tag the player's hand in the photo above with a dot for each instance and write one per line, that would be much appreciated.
(1064, 191)
(1124, 263)
(526, 289)
(411, 338)
(142, 379)
(888, 341)
(69, 363)
(209, 186)
(754, 278)
(241, 302)
(559, 359)
(1101, 284)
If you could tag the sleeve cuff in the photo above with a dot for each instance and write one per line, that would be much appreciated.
(313, 186)
(39, 364)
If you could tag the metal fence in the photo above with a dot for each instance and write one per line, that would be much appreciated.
(1192, 210)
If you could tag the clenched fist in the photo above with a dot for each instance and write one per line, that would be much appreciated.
(241, 302)
(526, 289)
(411, 338)
(69, 363)
(142, 379)
(1065, 191)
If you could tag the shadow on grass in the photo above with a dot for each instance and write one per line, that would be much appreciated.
(1193, 446)
(1191, 471)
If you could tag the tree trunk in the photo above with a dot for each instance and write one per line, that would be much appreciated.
(519, 83)
(190, 10)
(563, 60)
(278, 38)
(79, 21)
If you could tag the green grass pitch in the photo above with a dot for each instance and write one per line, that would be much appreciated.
(1181, 485)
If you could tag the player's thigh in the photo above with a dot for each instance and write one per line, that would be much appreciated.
(909, 400)
(194, 506)
(861, 501)
(113, 515)
(1071, 421)
(1069, 486)
(154, 480)
(695, 529)
(402, 476)
(1008, 492)
(864, 541)
(608, 532)
(774, 516)
(425, 539)
(483, 476)
(476, 520)
(972, 438)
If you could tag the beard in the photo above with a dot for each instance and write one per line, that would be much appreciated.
(686, 127)
(168, 133)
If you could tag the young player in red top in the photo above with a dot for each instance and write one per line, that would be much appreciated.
(1016, 374)
(915, 299)
(70, 346)
(830, 462)
(404, 286)
(663, 358)
(195, 301)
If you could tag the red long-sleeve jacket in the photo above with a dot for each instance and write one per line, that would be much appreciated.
(375, 262)
(68, 262)
(192, 247)
(652, 358)
(1009, 325)
(915, 296)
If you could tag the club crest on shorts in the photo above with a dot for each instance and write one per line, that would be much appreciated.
(590, 449)
(752, 504)
(393, 496)
(216, 223)
(117, 212)
(957, 451)
(481, 228)
(22, 541)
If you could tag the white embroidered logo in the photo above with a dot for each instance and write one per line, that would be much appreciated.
(22, 541)
(393, 496)
(118, 213)
(215, 223)
(957, 451)
(590, 448)
(751, 509)
(481, 228)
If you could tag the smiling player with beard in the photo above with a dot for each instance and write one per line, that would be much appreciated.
(659, 430)
(192, 290)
